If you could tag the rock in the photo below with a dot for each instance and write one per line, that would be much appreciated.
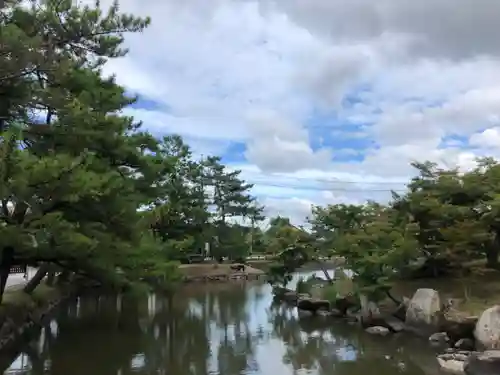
(394, 324)
(369, 312)
(378, 330)
(303, 296)
(487, 331)
(423, 315)
(336, 313)
(352, 314)
(439, 338)
(313, 305)
(451, 366)
(290, 296)
(400, 311)
(459, 326)
(344, 303)
(279, 291)
(465, 344)
(485, 363)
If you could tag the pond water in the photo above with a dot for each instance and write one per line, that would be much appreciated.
(212, 329)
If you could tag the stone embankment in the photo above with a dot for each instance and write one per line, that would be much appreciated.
(470, 344)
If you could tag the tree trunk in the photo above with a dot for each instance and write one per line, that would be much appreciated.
(325, 272)
(5, 266)
(37, 279)
(392, 298)
(493, 252)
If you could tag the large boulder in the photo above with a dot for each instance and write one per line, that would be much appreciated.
(313, 305)
(487, 332)
(369, 312)
(485, 363)
(424, 314)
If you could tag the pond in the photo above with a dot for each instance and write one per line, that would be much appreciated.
(209, 329)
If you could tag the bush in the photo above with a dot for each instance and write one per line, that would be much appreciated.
(303, 286)
(330, 293)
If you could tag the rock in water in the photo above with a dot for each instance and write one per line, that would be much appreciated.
(487, 332)
(378, 330)
(439, 338)
(369, 311)
(313, 305)
(486, 363)
(451, 365)
(423, 315)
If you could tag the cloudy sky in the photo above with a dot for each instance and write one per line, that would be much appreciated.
(320, 101)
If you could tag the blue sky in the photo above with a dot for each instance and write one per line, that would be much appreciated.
(319, 101)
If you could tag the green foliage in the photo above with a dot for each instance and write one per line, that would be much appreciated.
(303, 286)
(445, 219)
(82, 186)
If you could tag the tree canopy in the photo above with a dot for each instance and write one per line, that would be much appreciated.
(83, 188)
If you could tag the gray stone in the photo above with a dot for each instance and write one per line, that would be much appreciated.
(423, 315)
(313, 305)
(439, 338)
(369, 311)
(487, 332)
(394, 324)
(485, 363)
(378, 330)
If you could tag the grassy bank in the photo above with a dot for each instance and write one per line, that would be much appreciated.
(471, 294)
(207, 269)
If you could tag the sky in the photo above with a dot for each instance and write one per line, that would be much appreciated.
(319, 101)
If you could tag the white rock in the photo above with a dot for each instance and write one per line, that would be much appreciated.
(378, 330)
(451, 366)
(487, 330)
(424, 311)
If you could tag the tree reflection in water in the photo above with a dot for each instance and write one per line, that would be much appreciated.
(204, 330)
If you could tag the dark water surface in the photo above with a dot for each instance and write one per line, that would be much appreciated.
(207, 330)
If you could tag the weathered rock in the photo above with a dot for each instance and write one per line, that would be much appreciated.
(313, 305)
(336, 313)
(394, 324)
(344, 303)
(378, 330)
(369, 312)
(485, 363)
(451, 366)
(465, 344)
(459, 326)
(487, 331)
(423, 315)
(352, 314)
(290, 296)
(400, 311)
(439, 338)
(279, 291)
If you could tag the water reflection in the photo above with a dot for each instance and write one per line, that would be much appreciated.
(204, 330)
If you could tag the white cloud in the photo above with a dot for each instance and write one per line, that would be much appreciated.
(400, 76)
